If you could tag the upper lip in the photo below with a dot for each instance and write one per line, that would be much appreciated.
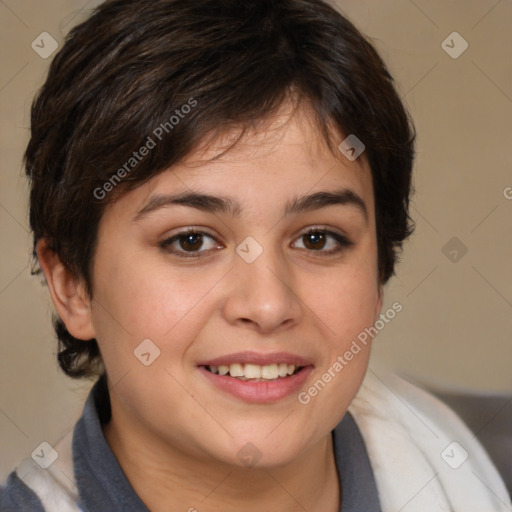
(249, 357)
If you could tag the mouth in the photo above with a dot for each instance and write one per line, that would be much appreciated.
(255, 377)
(255, 372)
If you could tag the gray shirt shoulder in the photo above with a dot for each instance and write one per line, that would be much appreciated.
(102, 484)
(16, 497)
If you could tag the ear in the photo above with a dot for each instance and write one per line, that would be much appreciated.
(380, 300)
(68, 293)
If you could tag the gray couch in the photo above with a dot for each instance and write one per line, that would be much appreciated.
(489, 416)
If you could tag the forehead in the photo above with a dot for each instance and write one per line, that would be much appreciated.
(293, 132)
(275, 161)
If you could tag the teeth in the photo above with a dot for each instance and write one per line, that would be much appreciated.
(236, 370)
(283, 370)
(223, 369)
(254, 371)
(270, 371)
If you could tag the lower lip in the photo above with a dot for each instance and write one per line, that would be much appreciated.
(259, 392)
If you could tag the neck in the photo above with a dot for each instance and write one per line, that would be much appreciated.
(172, 480)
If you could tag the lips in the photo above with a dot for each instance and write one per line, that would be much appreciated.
(256, 377)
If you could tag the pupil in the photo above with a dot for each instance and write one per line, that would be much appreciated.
(191, 241)
(314, 239)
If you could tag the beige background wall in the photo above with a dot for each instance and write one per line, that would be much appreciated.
(455, 330)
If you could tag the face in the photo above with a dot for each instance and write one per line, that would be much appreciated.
(264, 260)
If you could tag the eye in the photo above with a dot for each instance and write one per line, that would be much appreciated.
(188, 243)
(318, 240)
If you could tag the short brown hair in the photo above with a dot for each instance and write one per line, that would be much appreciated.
(134, 64)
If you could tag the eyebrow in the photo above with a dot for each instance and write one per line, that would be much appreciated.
(229, 206)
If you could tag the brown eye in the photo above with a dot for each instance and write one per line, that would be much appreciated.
(324, 242)
(314, 240)
(191, 241)
(189, 244)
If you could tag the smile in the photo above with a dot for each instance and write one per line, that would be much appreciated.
(255, 372)
(256, 377)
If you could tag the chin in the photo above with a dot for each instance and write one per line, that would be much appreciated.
(263, 452)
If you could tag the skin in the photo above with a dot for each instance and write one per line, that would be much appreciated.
(175, 435)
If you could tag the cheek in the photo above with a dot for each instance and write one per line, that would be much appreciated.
(346, 300)
(345, 306)
(136, 299)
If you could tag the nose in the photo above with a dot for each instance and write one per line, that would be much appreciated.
(261, 295)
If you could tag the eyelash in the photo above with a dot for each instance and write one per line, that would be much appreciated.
(342, 240)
